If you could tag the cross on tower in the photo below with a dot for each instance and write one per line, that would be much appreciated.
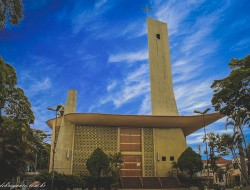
(147, 8)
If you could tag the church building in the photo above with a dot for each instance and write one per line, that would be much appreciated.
(148, 143)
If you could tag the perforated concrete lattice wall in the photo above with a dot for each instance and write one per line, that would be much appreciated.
(149, 152)
(87, 139)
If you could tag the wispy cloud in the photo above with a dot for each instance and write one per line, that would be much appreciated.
(41, 114)
(33, 79)
(174, 16)
(243, 44)
(189, 62)
(129, 57)
(85, 18)
(197, 138)
(100, 3)
(201, 32)
(145, 107)
(39, 86)
(134, 85)
(111, 86)
(193, 95)
(174, 13)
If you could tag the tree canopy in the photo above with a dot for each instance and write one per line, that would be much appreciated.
(190, 161)
(98, 163)
(232, 98)
(214, 154)
(13, 101)
(232, 93)
(11, 10)
(19, 143)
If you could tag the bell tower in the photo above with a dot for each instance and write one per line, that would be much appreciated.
(162, 94)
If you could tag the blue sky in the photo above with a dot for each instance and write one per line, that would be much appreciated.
(100, 49)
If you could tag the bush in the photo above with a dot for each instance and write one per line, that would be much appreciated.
(190, 161)
(61, 181)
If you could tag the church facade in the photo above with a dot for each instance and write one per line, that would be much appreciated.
(148, 143)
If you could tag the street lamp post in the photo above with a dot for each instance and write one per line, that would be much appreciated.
(59, 109)
(205, 134)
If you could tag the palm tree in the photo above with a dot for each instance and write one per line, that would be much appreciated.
(238, 121)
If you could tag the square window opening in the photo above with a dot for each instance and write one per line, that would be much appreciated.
(158, 36)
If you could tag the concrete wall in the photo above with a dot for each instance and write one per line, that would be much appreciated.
(148, 152)
(162, 95)
(64, 147)
(87, 139)
(168, 142)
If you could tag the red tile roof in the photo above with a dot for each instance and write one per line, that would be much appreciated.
(219, 161)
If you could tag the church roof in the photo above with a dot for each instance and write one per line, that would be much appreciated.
(188, 124)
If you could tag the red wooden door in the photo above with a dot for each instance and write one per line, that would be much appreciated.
(132, 166)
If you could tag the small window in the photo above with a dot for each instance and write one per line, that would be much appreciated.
(163, 158)
(158, 36)
(171, 158)
(235, 166)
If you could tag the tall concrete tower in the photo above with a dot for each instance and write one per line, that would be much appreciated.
(162, 94)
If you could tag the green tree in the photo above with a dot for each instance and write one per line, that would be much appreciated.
(190, 161)
(175, 167)
(11, 150)
(13, 102)
(15, 119)
(232, 98)
(12, 10)
(238, 121)
(248, 149)
(115, 162)
(230, 144)
(61, 181)
(8, 81)
(232, 93)
(214, 154)
(40, 149)
(98, 163)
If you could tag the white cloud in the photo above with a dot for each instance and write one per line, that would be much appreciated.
(193, 95)
(200, 32)
(41, 114)
(192, 89)
(195, 39)
(88, 18)
(145, 107)
(81, 20)
(174, 13)
(134, 85)
(42, 85)
(111, 86)
(129, 57)
(100, 3)
(243, 44)
(197, 138)
(133, 30)
(37, 86)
